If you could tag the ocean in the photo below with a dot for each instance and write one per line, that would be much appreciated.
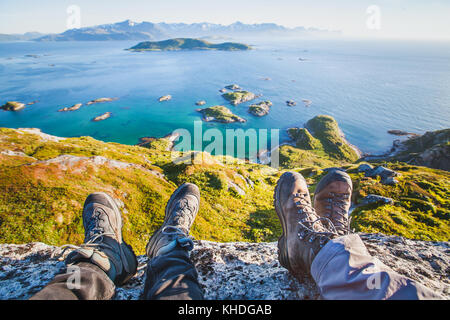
(370, 87)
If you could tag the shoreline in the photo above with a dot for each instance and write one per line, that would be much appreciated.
(171, 137)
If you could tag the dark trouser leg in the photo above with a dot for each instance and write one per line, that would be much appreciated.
(82, 281)
(172, 276)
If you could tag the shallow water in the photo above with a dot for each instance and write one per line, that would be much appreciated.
(369, 87)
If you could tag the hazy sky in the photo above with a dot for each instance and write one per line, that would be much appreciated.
(412, 19)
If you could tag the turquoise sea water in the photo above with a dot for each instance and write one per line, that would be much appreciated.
(369, 87)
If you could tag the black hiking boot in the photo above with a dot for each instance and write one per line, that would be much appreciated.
(103, 244)
(181, 211)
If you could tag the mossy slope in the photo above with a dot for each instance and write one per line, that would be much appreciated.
(41, 194)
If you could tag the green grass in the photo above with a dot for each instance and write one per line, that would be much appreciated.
(187, 44)
(326, 130)
(221, 114)
(238, 97)
(43, 202)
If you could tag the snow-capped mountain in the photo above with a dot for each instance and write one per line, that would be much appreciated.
(129, 30)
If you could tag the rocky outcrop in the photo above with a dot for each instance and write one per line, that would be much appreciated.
(233, 87)
(72, 108)
(437, 157)
(260, 109)
(386, 175)
(100, 100)
(238, 97)
(430, 150)
(165, 98)
(233, 270)
(291, 103)
(102, 117)
(13, 106)
(219, 114)
(373, 198)
(67, 161)
(44, 136)
(401, 133)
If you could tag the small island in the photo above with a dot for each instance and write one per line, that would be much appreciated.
(13, 106)
(219, 114)
(233, 87)
(260, 109)
(238, 97)
(291, 103)
(72, 108)
(401, 133)
(200, 103)
(187, 44)
(102, 117)
(100, 100)
(165, 98)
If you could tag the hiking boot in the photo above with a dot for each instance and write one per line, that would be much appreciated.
(303, 233)
(181, 211)
(332, 199)
(103, 243)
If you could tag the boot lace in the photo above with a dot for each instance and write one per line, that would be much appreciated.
(337, 211)
(95, 236)
(312, 226)
(183, 214)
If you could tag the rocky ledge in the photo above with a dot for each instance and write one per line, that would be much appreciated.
(234, 270)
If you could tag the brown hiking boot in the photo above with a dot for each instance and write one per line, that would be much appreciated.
(303, 233)
(332, 199)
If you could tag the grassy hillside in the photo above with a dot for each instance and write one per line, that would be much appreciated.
(320, 144)
(44, 182)
(42, 200)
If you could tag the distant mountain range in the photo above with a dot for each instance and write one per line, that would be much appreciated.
(129, 30)
(21, 37)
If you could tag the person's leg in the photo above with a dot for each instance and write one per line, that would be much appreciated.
(170, 273)
(344, 269)
(101, 262)
(91, 283)
(319, 243)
